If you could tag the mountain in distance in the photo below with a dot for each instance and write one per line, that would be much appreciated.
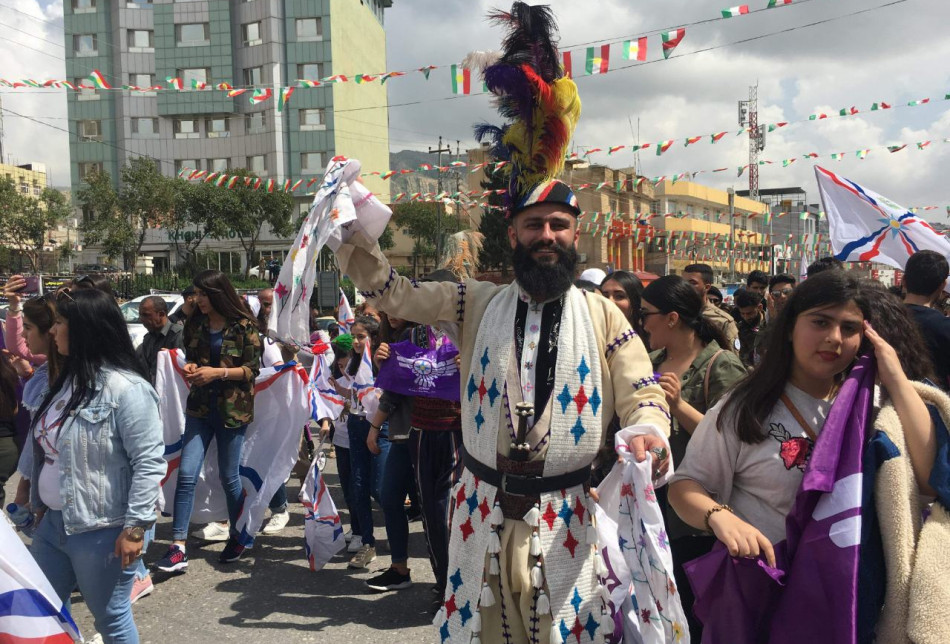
(419, 181)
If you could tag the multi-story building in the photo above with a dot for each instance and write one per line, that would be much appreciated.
(247, 44)
(794, 223)
(29, 178)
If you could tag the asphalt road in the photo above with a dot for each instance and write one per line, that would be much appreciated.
(270, 595)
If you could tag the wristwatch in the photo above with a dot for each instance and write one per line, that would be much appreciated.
(135, 534)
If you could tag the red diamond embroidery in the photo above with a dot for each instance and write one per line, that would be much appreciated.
(570, 543)
(579, 509)
(626, 489)
(482, 390)
(577, 629)
(549, 517)
(484, 509)
(460, 497)
(580, 399)
(450, 607)
(467, 529)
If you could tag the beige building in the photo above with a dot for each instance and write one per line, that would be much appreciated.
(29, 178)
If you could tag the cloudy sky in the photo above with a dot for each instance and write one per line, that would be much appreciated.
(895, 51)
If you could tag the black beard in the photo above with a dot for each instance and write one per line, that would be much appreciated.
(544, 282)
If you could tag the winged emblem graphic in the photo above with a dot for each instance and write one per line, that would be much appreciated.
(425, 370)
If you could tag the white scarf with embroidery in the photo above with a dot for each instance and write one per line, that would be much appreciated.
(565, 542)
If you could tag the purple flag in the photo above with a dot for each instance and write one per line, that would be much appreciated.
(414, 371)
(816, 598)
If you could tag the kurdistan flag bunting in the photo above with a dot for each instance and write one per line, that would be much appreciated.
(598, 64)
(922, 101)
(635, 49)
(284, 97)
(844, 111)
(732, 12)
(692, 139)
(663, 146)
(880, 106)
(922, 144)
(896, 148)
(837, 156)
(716, 137)
(778, 3)
(261, 95)
(461, 80)
(671, 39)
(100, 81)
(862, 154)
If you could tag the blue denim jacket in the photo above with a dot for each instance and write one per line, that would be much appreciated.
(33, 393)
(111, 456)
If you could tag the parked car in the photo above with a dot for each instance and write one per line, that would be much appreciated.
(130, 311)
(96, 268)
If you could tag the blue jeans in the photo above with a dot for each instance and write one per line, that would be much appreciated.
(397, 480)
(278, 502)
(198, 435)
(365, 473)
(88, 559)
(141, 572)
(344, 471)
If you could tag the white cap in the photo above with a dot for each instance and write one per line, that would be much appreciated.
(594, 275)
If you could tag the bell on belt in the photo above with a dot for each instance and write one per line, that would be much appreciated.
(520, 450)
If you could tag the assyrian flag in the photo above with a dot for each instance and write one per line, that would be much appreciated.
(732, 12)
(344, 314)
(663, 146)
(461, 80)
(281, 410)
(635, 49)
(325, 402)
(778, 3)
(598, 64)
(323, 531)
(100, 80)
(30, 610)
(865, 226)
(671, 39)
(714, 138)
(568, 65)
(365, 394)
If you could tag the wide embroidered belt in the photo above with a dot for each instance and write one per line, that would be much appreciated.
(521, 483)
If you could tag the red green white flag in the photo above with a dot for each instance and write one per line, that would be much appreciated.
(922, 144)
(176, 83)
(845, 111)
(385, 77)
(716, 137)
(425, 70)
(880, 106)
(837, 156)
(732, 12)
(663, 146)
(775, 126)
(261, 95)
(461, 80)
(922, 101)
(862, 154)
(896, 148)
(635, 49)
(100, 80)
(811, 155)
(616, 148)
(817, 117)
(788, 162)
(778, 3)
(284, 98)
(671, 39)
(598, 62)
(691, 140)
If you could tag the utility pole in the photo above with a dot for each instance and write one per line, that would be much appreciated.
(458, 186)
(439, 207)
(732, 232)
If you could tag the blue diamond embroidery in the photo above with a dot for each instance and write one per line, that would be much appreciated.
(592, 625)
(472, 387)
(578, 430)
(566, 512)
(493, 393)
(576, 601)
(472, 501)
(595, 401)
(565, 398)
(583, 369)
(456, 580)
(444, 631)
(479, 421)
(485, 361)
(565, 631)
(622, 542)
(465, 612)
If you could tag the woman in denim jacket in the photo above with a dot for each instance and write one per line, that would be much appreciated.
(97, 463)
(223, 359)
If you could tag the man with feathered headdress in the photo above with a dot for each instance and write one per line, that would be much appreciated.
(545, 369)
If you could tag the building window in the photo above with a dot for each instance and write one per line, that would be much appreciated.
(90, 130)
(141, 40)
(88, 214)
(217, 165)
(251, 33)
(192, 34)
(312, 119)
(88, 168)
(310, 71)
(253, 76)
(87, 93)
(138, 4)
(217, 128)
(86, 45)
(309, 29)
(182, 164)
(254, 123)
(311, 162)
(186, 128)
(84, 6)
(142, 81)
(187, 76)
(257, 164)
(145, 128)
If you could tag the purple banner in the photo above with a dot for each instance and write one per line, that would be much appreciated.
(414, 371)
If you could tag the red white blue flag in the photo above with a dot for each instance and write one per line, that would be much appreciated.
(323, 531)
(344, 314)
(866, 227)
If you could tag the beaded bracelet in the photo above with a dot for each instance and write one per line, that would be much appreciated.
(713, 510)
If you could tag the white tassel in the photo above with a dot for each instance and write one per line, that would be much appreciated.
(604, 593)
(477, 623)
(556, 633)
(599, 568)
(591, 535)
(544, 604)
(487, 598)
(476, 639)
(607, 623)
(497, 517)
(535, 544)
(533, 516)
(494, 543)
(439, 617)
(537, 576)
(494, 568)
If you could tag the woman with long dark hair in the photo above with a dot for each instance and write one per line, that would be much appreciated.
(97, 462)
(694, 371)
(9, 453)
(223, 359)
(624, 289)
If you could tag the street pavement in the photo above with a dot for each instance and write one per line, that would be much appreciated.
(270, 595)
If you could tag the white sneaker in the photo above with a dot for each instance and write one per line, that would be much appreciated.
(355, 543)
(277, 523)
(348, 535)
(95, 639)
(213, 532)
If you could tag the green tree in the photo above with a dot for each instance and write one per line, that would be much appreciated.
(427, 226)
(252, 210)
(496, 250)
(27, 221)
(201, 211)
(146, 199)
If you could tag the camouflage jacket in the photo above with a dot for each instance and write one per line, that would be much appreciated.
(240, 349)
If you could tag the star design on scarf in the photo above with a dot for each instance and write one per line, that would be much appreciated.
(565, 399)
(456, 580)
(479, 420)
(460, 497)
(472, 387)
(450, 607)
(571, 544)
(493, 393)
(484, 509)
(578, 629)
(549, 516)
(566, 512)
(467, 529)
(591, 625)
(578, 430)
(595, 401)
(576, 601)
(472, 501)
(465, 612)
(581, 399)
(444, 631)
(579, 508)
(485, 361)
(583, 369)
